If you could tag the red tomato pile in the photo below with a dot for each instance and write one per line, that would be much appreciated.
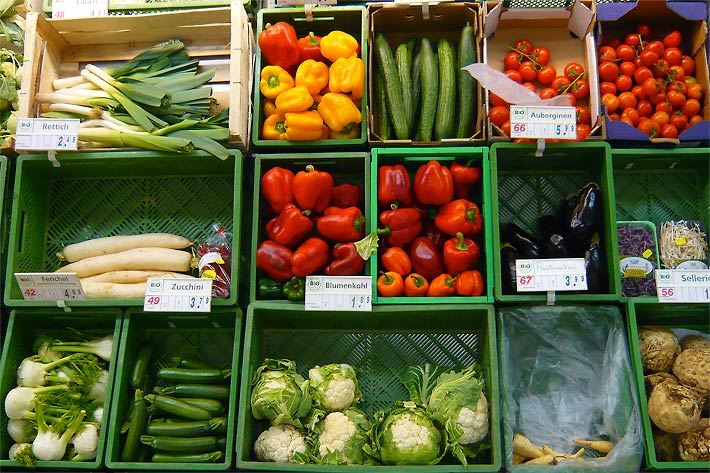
(649, 84)
(530, 66)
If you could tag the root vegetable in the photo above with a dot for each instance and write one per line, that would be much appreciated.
(156, 259)
(518, 459)
(692, 367)
(696, 342)
(652, 380)
(666, 446)
(524, 447)
(695, 444)
(108, 290)
(674, 408)
(543, 460)
(117, 244)
(132, 277)
(659, 347)
(601, 446)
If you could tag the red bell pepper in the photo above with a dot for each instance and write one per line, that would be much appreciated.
(469, 283)
(462, 216)
(434, 234)
(342, 225)
(393, 186)
(401, 225)
(460, 254)
(442, 286)
(397, 260)
(426, 259)
(346, 261)
(274, 260)
(465, 177)
(290, 227)
(433, 184)
(279, 44)
(276, 186)
(346, 195)
(308, 258)
(313, 189)
(310, 48)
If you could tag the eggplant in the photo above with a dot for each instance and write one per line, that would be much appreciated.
(567, 208)
(553, 237)
(593, 264)
(587, 214)
(508, 255)
(525, 244)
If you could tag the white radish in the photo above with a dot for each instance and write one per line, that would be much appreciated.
(132, 277)
(156, 259)
(116, 244)
(109, 290)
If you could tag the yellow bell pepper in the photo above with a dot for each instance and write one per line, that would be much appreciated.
(325, 134)
(312, 75)
(274, 127)
(304, 126)
(269, 108)
(297, 99)
(337, 44)
(345, 135)
(348, 75)
(339, 112)
(274, 81)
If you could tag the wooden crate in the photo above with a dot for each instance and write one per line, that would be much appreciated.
(220, 38)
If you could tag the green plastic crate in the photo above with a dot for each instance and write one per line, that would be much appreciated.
(381, 343)
(350, 19)
(345, 167)
(4, 220)
(100, 194)
(525, 187)
(679, 316)
(412, 158)
(23, 329)
(213, 338)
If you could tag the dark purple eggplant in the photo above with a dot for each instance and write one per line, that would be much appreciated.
(587, 214)
(554, 243)
(508, 255)
(525, 244)
(567, 208)
(594, 264)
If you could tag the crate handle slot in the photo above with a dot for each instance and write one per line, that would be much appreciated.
(21, 235)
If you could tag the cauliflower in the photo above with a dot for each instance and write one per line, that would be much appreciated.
(474, 423)
(280, 394)
(341, 438)
(279, 444)
(334, 387)
(337, 432)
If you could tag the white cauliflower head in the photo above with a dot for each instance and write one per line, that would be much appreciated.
(342, 437)
(474, 423)
(279, 444)
(408, 436)
(337, 432)
(334, 387)
(280, 394)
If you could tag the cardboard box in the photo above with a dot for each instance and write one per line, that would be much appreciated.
(400, 23)
(616, 20)
(566, 32)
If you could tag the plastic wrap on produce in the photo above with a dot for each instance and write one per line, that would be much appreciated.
(566, 374)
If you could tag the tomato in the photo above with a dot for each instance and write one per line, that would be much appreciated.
(607, 88)
(691, 107)
(673, 56)
(515, 76)
(583, 115)
(662, 118)
(676, 99)
(650, 88)
(497, 101)
(677, 73)
(632, 40)
(524, 45)
(625, 52)
(511, 61)
(608, 71)
(642, 74)
(690, 80)
(648, 58)
(637, 62)
(527, 71)
(611, 102)
(541, 55)
(580, 89)
(572, 70)
(623, 83)
(632, 115)
(669, 131)
(645, 108)
(548, 93)
(643, 30)
(560, 84)
(614, 117)
(694, 120)
(679, 121)
(649, 127)
(661, 68)
(583, 132)
(695, 91)
(657, 47)
(628, 68)
(607, 53)
(627, 100)
(637, 90)
(505, 127)
(546, 75)
(664, 107)
(678, 86)
(688, 65)
(627, 120)
(572, 99)
(530, 86)
(656, 99)
(499, 115)
(672, 39)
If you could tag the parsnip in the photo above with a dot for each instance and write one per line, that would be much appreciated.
(543, 460)
(601, 446)
(518, 459)
(117, 244)
(108, 290)
(132, 277)
(524, 447)
(155, 259)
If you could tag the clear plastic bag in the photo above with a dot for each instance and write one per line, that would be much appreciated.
(215, 260)
(566, 374)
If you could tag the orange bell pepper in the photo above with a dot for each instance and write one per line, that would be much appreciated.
(469, 283)
(337, 44)
(303, 126)
(297, 99)
(274, 81)
(415, 285)
(269, 108)
(326, 133)
(339, 112)
(390, 284)
(348, 75)
(397, 260)
(274, 127)
(442, 286)
(312, 75)
(345, 135)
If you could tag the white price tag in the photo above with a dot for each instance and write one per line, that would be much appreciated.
(50, 286)
(43, 134)
(178, 295)
(674, 285)
(62, 9)
(542, 275)
(543, 122)
(345, 293)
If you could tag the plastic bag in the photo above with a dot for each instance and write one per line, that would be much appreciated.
(215, 254)
(566, 374)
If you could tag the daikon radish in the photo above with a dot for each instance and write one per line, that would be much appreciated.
(117, 244)
(147, 259)
(132, 277)
(108, 290)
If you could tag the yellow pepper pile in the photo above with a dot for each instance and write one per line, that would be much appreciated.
(322, 102)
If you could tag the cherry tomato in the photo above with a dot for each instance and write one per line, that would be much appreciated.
(583, 115)
(627, 120)
(511, 61)
(688, 65)
(673, 56)
(524, 45)
(632, 40)
(515, 76)
(499, 115)
(691, 107)
(530, 86)
(527, 71)
(608, 71)
(648, 57)
(611, 102)
(664, 107)
(583, 132)
(560, 84)
(548, 93)
(661, 68)
(642, 74)
(541, 55)
(625, 52)
(632, 115)
(637, 62)
(690, 80)
(614, 117)
(645, 108)
(580, 89)
(607, 53)
(505, 127)
(678, 86)
(650, 88)
(546, 75)
(669, 131)
(627, 100)
(676, 99)
(637, 90)
(497, 101)
(679, 121)
(656, 99)
(695, 91)
(607, 88)
(650, 128)
(677, 73)
(694, 120)
(657, 47)
(672, 39)
(662, 118)
(572, 70)
(623, 83)
(628, 68)
(615, 43)
(643, 30)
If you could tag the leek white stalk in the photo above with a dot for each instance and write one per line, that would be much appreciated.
(68, 82)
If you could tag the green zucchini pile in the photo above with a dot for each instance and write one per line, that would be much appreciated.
(421, 92)
(184, 420)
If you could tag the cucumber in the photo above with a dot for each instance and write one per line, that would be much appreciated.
(467, 85)
(383, 115)
(395, 105)
(430, 90)
(444, 127)
(403, 57)
(416, 88)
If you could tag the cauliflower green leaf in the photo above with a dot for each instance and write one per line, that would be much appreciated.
(279, 393)
(334, 387)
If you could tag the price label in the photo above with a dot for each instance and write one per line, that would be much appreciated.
(674, 285)
(44, 134)
(542, 275)
(178, 295)
(62, 9)
(543, 122)
(343, 293)
(50, 286)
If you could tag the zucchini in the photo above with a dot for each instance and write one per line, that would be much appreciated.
(430, 90)
(403, 57)
(444, 127)
(395, 105)
(175, 406)
(467, 85)
(416, 88)
(186, 375)
(211, 457)
(161, 427)
(191, 363)
(209, 391)
(140, 366)
(181, 444)
(383, 116)
(139, 417)
(213, 406)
